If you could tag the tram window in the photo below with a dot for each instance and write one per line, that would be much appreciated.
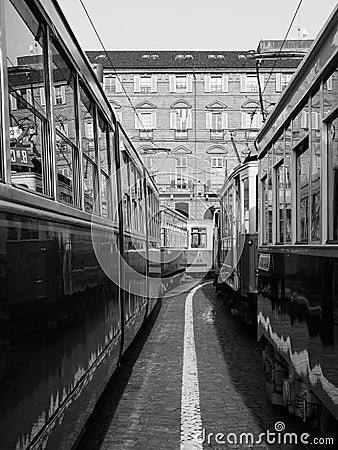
(280, 202)
(332, 139)
(303, 167)
(28, 124)
(330, 93)
(198, 238)
(315, 168)
(246, 205)
(64, 117)
(288, 187)
(88, 149)
(105, 165)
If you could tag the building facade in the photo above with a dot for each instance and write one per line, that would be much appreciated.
(193, 115)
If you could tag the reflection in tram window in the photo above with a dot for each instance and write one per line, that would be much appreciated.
(332, 138)
(28, 125)
(288, 186)
(303, 165)
(315, 167)
(64, 117)
(88, 149)
(198, 237)
(330, 93)
(280, 202)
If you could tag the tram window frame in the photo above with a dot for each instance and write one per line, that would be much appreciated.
(279, 207)
(332, 186)
(70, 114)
(315, 199)
(288, 193)
(302, 147)
(89, 109)
(202, 234)
(36, 154)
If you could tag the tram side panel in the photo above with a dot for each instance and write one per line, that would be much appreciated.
(60, 330)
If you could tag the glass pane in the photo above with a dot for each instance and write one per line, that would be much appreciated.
(64, 166)
(315, 167)
(63, 82)
(288, 191)
(280, 203)
(25, 67)
(88, 178)
(330, 93)
(87, 125)
(332, 139)
(104, 195)
(303, 165)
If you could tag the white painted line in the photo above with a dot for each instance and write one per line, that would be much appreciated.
(191, 422)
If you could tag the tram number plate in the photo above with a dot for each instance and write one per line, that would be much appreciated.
(20, 157)
(264, 262)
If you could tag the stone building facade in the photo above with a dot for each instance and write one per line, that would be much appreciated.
(193, 115)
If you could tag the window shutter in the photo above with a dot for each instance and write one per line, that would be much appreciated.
(137, 83)
(189, 83)
(54, 96)
(189, 120)
(259, 120)
(154, 83)
(65, 129)
(243, 83)
(329, 84)
(304, 120)
(208, 121)
(118, 84)
(42, 96)
(138, 124)
(207, 83)
(278, 82)
(173, 117)
(29, 96)
(172, 83)
(224, 120)
(63, 94)
(315, 121)
(225, 83)
(244, 120)
(13, 102)
(153, 120)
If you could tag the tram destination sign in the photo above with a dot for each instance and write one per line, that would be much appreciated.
(20, 157)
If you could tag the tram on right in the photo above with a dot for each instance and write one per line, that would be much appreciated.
(297, 301)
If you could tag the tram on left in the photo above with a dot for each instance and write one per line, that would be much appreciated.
(76, 202)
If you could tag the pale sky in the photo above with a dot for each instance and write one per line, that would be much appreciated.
(192, 24)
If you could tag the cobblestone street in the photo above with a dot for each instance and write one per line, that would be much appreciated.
(141, 407)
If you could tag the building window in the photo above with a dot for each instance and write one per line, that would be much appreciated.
(282, 80)
(112, 84)
(181, 121)
(216, 83)
(145, 83)
(180, 83)
(217, 162)
(145, 122)
(181, 169)
(59, 95)
(216, 122)
(249, 83)
(251, 119)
